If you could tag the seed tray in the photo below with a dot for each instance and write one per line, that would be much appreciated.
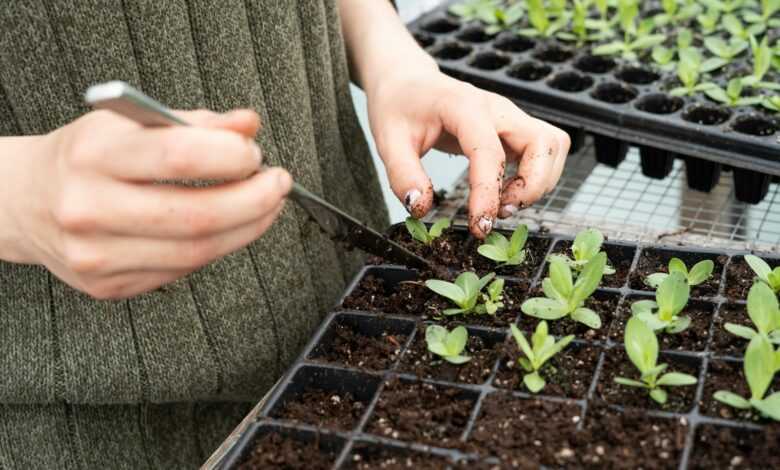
(620, 103)
(680, 436)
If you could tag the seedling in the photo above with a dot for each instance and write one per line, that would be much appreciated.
(492, 300)
(762, 61)
(566, 298)
(634, 42)
(464, 292)
(448, 345)
(724, 52)
(674, 14)
(542, 348)
(763, 311)
(671, 297)
(768, 10)
(765, 273)
(732, 95)
(642, 348)
(699, 273)
(726, 6)
(470, 10)
(772, 103)
(689, 71)
(587, 244)
(504, 19)
(664, 57)
(543, 20)
(735, 27)
(419, 232)
(709, 22)
(505, 252)
(761, 363)
(581, 26)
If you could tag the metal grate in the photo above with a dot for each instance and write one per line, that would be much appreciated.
(627, 205)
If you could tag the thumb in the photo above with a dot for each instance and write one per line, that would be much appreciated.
(407, 176)
(243, 121)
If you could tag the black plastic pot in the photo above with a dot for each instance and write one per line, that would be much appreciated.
(702, 175)
(750, 186)
(358, 443)
(656, 163)
(609, 151)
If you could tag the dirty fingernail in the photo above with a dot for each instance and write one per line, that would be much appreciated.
(411, 198)
(508, 210)
(485, 225)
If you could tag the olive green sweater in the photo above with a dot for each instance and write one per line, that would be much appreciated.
(159, 380)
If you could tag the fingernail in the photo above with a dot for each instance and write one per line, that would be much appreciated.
(256, 152)
(508, 210)
(485, 225)
(411, 198)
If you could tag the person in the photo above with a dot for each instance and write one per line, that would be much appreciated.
(141, 319)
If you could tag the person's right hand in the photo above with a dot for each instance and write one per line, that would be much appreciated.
(86, 200)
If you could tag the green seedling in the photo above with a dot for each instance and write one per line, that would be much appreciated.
(665, 57)
(563, 297)
(689, 70)
(505, 252)
(674, 14)
(699, 273)
(470, 10)
(761, 363)
(542, 348)
(464, 292)
(420, 232)
(448, 345)
(642, 349)
(725, 6)
(772, 103)
(737, 30)
(545, 21)
(492, 299)
(725, 52)
(584, 29)
(732, 95)
(763, 311)
(505, 18)
(768, 10)
(663, 313)
(762, 62)
(709, 22)
(764, 272)
(633, 43)
(586, 246)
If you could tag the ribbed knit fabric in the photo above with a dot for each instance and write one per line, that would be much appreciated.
(159, 380)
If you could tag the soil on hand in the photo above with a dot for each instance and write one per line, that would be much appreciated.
(332, 410)
(728, 375)
(368, 457)
(620, 258)
(718, 446)
(275, 451)
(413, 298)
(350, 348)
(421, 362)
(740, 278)
(524, 433)
(568, 374)
(723, 342)
(617, 364)
(457, 249)
(602, 302)
(657, 261)
(422, 412)
(693, 338)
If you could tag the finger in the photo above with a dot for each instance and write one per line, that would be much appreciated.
(407, 177)
(243, 121)
(165, 211)
(128, 285)
(564, 144)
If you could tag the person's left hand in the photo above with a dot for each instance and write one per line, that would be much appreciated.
(413, 111)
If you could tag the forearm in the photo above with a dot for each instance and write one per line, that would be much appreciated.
(377, 42)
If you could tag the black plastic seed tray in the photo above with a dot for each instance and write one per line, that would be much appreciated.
(620, 103)
(491, 421)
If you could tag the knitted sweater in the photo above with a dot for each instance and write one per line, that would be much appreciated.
(159, 380)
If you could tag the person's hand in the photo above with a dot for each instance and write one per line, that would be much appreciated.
(93, 202)
(413, 110)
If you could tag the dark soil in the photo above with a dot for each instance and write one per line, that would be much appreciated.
(601, 302)
(570, 81)
(728, 375)
(367, 457)
(350, 348)
(338, 411)
(693, 338)
(611, 92)
(740, 278)
(275, 451)
(659, 103)
(568, 374)
(524, 433)
(417, 360)
(657, 261)
(620, 258)
(706, 114)
(733, 448)
(617, 364)
(723, 342)
(413, 298)
(422, 412)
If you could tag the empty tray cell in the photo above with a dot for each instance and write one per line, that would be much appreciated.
(656, 260)
(570, 81)
(568, 374)
(660, 103)
(595, 64)
(363, 342)
(369, 456)
(385, 289)
(265, 446)
(525, 433)
(637, 75)
(680, 399)
(483, 347)
(440, 26)
(510, 42)
(620, 258)
(451, 51)
(706, 114)
(755, 124)
(740, 277)
(330, 398)
(729, 375)
(422, 412)
(614, 92)
(474, 34)
(530, 70)
(733, 446)
(553, 53)
(702, 175)
(609, 151)
(489, 61)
